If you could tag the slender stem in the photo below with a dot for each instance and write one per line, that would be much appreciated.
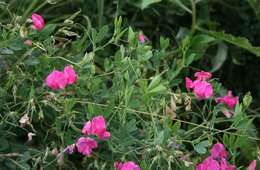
(175, 119)
(193, 24)
(100, 4)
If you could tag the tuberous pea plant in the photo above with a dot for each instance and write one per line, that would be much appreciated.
(106, 99)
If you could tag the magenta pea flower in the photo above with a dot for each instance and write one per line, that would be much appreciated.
(252, 165)
(202, 89)
(130, 165)
(188, 83)
(232, 167)
(218, 151)
(203, 75)
(208, 164)
(224, 164)
(59, 80)
(85, 145)
(56, 80)
(141, 38)
(70, 74)
(97, 126)
(38, 22)
(229, 100)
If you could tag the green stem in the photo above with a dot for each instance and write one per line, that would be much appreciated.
(29, 9)
(193, 24)
(100, 4)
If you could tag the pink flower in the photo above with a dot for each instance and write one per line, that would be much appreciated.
(202, 89)
(208, 164)
(70, 74)
(223, 164)
(218, 151)
(252, 165)
(228, 100)
(97, 126)
(38, 22)
(141, 38)
(56, 80)
(203, 75)
(188, 83)
(232, 167)
(126, 166)
(85, 145)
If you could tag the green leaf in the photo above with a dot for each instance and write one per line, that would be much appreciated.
(159, 89)
(47, 31)
(154, 83)
(201, 147)
(237, 41)
(255, 5)
(164, 42)
(158, 140)
(220, 57)
(176, 127)
(190, 59)
(146, 3)
(102, 33)
(247, 100)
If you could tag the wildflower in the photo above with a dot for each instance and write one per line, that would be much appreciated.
(208, 164)
(218, 151)
(130, 165)
(252, 165)
(203, 75)
(228, 100)
(188, 83)
(232, 167)
(70, 149)
(217, 159)
(141, 38)
(202, 89)
(97, 126)
(223, 164)
(38, 22)
(85, 145)
(70, 74)
(56, 80)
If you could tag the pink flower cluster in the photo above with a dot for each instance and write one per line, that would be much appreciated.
(130, 165)
(59, 80)
(201, 87)
(204, 90)
(38, 22)
(97, 126)
(218, 160)
(229, 100)
(85, 144)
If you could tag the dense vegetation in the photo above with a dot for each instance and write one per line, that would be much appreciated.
(94, 84)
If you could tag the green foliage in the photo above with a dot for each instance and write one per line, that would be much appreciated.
(138, 87)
